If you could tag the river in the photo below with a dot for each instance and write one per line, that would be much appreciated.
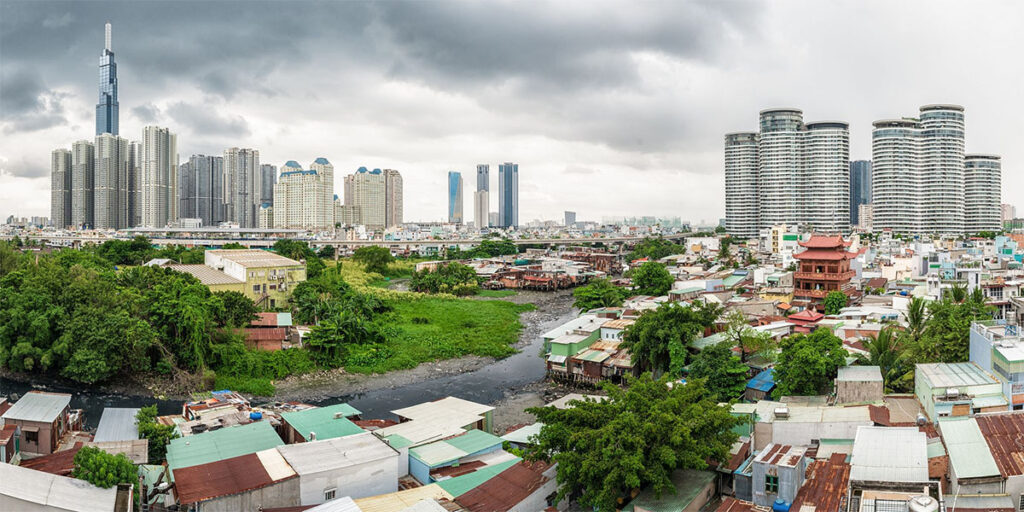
(487, 385)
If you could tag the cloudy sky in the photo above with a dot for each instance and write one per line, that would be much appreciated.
(610, 108)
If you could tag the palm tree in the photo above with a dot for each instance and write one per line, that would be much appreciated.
(958, 293)
(885, 352)
(917, 316)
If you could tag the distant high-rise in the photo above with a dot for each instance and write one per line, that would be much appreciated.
(481, 198)
(798, 173)
(268, 177)
(159, 177)
(454, 197)
(366, 192)
(110, 182)
(134, 165)
(106, 108)
(301, 196)
(60, 188)
(508, 195)
(1008, 212)
(242, 186)
(570, 219)
(199, 186)
(860, 187)
(982, 188)
(83, 154)
(917, 172)
(393, 198)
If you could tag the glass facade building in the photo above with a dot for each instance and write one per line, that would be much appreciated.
(860, 187)
(106, 108)
(455, 197)
(508, 195)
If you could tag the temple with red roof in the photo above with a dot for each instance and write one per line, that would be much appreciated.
(823, 267)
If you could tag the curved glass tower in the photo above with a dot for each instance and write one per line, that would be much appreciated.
(106, 109)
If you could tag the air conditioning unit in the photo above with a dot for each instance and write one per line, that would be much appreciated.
(781, 412)
(952, 393)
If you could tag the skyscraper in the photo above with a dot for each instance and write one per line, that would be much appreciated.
(268, 177)
(60, 188)
(242, 185)
(454, 197)
(366, 191)
(741, 218)
(134, 164)
(982, 190)
(110, 182)
(917, 175)
(106, 108)
(82, 173)
(481, 206)
(508, 195)
(860, 187)
(393, 198)
(200, 181)
(159, 177)
(570, 219)
(798, 173)
(300, 196)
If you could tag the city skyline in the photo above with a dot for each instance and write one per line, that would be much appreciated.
(665, 130)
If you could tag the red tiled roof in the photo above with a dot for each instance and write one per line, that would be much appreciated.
(506, 489)
(57, 463)
(222, 478)
(824, 254)
(1003, 433)
(825, 485)
(825, 242)
(266, 334)
(807, 315)
(735, 505)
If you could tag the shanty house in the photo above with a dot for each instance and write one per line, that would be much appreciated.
(248, 482)
(856, 384)
(220, 444)
(269, 278)
(456, 451)
(694, 490)
(761, 386)
(522, 487)
(10, 444)
(360, 465)
(320, 423)
(117, 424)
(777, 473)
(43, 419)
(24, 489)
(972, 469)
(957, 389)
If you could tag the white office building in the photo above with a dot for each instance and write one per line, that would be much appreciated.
(110, 182)
(366, 192)
(83, 161)
(242, 182)
(60, 188)
(304, 199)
(159, 180)
(741, 199)
(982, 188)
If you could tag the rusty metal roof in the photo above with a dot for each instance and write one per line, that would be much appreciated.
(825, 485)
(1003, 433)
(57, 463)
(735, 505)
(507, 489)
(879, 415)
(195, 484)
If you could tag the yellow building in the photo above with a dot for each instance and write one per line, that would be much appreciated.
(268, 278)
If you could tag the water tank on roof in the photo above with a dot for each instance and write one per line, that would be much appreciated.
(780, 505)
(922, 504)
(255, 416)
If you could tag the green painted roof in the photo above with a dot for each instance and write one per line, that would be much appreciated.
(398, 442)
(462, 484)
(730, 281)
(594, 356)
(221, 444)
(692, 289)
(322, 421)
(969, 453)
(474, 441)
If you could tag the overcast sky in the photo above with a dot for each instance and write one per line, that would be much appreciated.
(609, 108)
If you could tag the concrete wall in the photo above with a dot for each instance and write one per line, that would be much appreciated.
(848, 392)
(281, 494)
(10, 503)
(361, 481)
(801, 433)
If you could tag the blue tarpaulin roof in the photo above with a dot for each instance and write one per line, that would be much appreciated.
(764, 381)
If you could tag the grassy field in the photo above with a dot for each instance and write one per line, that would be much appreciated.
(499, 294)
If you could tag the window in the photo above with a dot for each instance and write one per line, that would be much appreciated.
(1021, 504)
(256, 288)
(329, 494)
(771, 484)
(31, 437)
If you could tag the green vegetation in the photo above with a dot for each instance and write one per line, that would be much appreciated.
(299, 251)
(239, 310)
(496, 294)
(486, 249)
(158, 435)
(884, 351)
(600, 293)
(660, 339)
(835, 301)
(454, 278)
(139, 250)
(740, 334)
(724, 375)
(655, 248)
(941, 333)
(808, 364)
(103, 469)
(374, 257)
(635, 439)
(651, 278)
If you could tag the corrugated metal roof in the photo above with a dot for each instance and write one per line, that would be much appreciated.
(474, 441)
(344, 504)
(1003, 433)
(688, 484)
(563, 403)
(340, 452)
(196, 484)
(593, 356)
(889, 454)
(825, 486)
(438, 453)
(968, 452)
(462, 484)
(38, 406)
(205, 275)
(860, 374)
(256, 258)
(117, 424)
(584, 321)
(507, 489)
(952, 375)
(730, 504)
(221, 444)
(54, 492)
(322, 420)
(523, 435)
(763, 381)
(398, 501)
(989, 401)
(446, 406)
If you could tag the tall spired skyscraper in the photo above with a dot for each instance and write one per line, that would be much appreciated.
(106, 109)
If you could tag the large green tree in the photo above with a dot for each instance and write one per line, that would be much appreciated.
(655, 248)
(651, 278)
(239, 310)
(665, 332)
(374, 257)
(885, 351)
(599, 293)
(724, 374)
(835, 301)
(454, 278)
(103, 469)
(945, 337)
(808, 363)
(634, 439)
(158, 435)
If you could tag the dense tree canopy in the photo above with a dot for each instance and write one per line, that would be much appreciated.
(157, 434)
(808, 363)
(885, 351)
(300, 251)
(724, 375)
(945, 335)
(486, 249)
(103, 469)
(454, 278)
(659, 339)
(635, 439)
(599, 293)
(374, 257)
(835, 301)
(655, 248)
(238, 310)
(651, 278)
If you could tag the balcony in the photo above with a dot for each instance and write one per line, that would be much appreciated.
(825, 276)
(814, 294)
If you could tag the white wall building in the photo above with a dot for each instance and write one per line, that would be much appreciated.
(60, 188)
(393, 199)
(83, 154)
(741, 218)
(159, 181)
(982, 188)
(358, 466)
(110, 182)
(242, 182)
(367, 191)
(304, 199)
